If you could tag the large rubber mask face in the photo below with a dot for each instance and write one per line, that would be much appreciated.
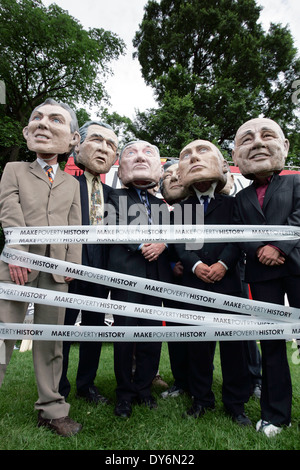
(260, 148)
(98, 151)
(49, 131)
(201, 161)
(140, 165)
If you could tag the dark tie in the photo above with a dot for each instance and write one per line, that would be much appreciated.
(205, 202)
(95, 209)
(146, 204)
(49, 171)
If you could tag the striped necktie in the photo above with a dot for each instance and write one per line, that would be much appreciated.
(49, 171)
(95, 209)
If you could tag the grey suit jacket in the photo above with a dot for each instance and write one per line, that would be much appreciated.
(281, 207)
(28, 199)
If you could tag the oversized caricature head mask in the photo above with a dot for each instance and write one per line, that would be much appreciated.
(202, 161)
(97, 151)
(260, 148)
(52, 130)
(171, 187)
(140, 165)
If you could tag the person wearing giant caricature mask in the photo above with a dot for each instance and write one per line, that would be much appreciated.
(95, 155)
(140, 165)
(273, 267)
(30, 197)
(202, 167)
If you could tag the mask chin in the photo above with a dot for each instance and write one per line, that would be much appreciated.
(142, 184)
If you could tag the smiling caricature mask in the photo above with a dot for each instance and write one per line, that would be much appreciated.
(260, 148)
(201, 161)
(140, 165)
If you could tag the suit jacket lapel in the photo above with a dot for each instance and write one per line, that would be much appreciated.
(250, 191)
(273, 186)
(37, 170)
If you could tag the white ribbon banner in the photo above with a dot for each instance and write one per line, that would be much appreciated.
(285, 326)
(150, 287)
(15, 331)
(111, 234)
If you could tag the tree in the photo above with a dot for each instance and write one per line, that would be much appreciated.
(217, 53)
(45, 52)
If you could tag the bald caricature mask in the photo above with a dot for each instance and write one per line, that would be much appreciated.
(201, 161)
(97, 151)
(260, 148)
(139, 165)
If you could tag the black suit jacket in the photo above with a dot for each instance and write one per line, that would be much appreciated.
(219, 211)
(281, 207)
(127, 257)
(92, 255)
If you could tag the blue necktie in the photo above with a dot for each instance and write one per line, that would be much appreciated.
(146, 204)
(205, 202)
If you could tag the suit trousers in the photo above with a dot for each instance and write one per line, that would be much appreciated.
(137, 385)
(89, 351)
(236, 386)
(276, 393)
(47, 355)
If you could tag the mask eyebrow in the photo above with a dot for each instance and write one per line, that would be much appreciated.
(95, 134)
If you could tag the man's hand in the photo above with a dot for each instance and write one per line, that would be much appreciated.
(19, 275)
(217, 272)
(202, 271)
(178, 269)
(270, 256)
(151, 251)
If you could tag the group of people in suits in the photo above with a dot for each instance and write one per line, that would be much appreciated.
(28, 197)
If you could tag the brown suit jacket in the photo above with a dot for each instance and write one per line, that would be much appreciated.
(27, 199)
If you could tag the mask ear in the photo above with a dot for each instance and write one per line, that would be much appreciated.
(75, 139)
(25, 132)
(116, 158)
(233, 157)
(286, 147)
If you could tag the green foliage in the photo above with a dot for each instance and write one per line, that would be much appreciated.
(216, 53)
(45, 52)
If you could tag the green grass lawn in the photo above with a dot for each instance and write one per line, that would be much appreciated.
(155, 430)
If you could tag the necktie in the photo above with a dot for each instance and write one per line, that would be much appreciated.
(95, 209)
(49, 171)
(146, 204)
(205, 202)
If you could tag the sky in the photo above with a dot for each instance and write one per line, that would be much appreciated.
(127, 89)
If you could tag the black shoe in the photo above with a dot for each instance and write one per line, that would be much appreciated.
(197, 410)
(149, 402)
(242, 420)
(92, 395)
(123, 409)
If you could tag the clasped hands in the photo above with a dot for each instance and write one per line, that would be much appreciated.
(210, 274)
(270, 256)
